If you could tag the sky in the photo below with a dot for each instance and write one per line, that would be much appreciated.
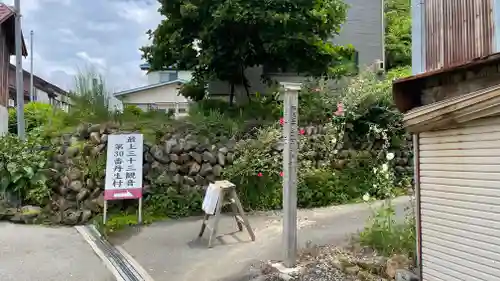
(71, 36)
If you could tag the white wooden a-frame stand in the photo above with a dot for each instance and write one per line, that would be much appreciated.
(227, 196)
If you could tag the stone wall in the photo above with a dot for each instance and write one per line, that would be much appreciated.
(182, 161)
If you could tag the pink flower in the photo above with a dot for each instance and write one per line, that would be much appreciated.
(340, 109)
(302, 131)
(259, 175)
(281, 173)
(282, 121)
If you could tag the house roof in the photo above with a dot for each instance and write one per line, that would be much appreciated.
(38, 83)
(454, 111)
(7, 15)
(148, 87)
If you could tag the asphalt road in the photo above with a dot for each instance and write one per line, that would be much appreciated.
(37, 253)
(170, 250)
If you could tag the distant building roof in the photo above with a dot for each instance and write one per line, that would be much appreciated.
(7, 15)
(38, 83)
(147, 66)
(147, 87)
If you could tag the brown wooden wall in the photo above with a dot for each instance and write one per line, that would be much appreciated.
(4, 69)
(457, 31)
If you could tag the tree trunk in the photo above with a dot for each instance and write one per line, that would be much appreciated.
(245, 83)
(231, 95)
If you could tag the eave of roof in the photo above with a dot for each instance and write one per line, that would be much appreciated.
(147, 87)
(454, 111)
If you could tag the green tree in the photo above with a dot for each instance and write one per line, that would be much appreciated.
(232, 35)
(398, 33)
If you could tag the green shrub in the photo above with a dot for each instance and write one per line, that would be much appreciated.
(23, 168)
(388, 236)
(193, 90)
(36, 114)
(132, 110)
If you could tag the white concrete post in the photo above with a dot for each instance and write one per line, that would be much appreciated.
(290, 136)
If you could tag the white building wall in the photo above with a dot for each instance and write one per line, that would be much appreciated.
(4, 120)
(41, 96)
(165, 98)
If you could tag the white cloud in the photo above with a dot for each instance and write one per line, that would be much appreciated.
(103, 34)
(92, 60)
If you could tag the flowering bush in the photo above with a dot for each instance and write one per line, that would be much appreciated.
(351, 158)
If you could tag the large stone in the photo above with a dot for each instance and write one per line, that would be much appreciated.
(221, 158)
(184, 158)
(74, 174)
(217, 170)
(172, 167)
(189, 181)
(159, 155)
(98, 149)
(104, 138)
(82, 195)
(223, 150)
(194, 169)
(164, 178)
(230, 158)
(177, 179)
(86, 216)
(71, 151)
(394, 263)
(174, 158)
(169, 144)
(209, 157)
(71, 217)
(95, 128)
(76, 186)
(190, 145)
(95, 138)
(206, 169)
(196, 156)
(199, 180)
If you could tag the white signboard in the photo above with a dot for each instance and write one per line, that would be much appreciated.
(212, 197)
(124, 167)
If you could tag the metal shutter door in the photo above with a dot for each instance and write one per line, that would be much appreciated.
(460, 202)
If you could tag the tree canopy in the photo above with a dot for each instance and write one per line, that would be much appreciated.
(232, 35)
(398, 33)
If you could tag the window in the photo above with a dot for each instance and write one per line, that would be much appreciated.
(182, 110)
(166, 76)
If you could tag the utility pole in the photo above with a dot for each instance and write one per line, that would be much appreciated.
(19, 73)
(290, 151)
(32, 89)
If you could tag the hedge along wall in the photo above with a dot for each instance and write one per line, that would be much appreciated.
(178, 167)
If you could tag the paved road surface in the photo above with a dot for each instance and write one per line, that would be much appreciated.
(169, 250)
(36, 253)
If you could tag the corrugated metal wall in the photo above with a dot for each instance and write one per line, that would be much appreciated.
(460, 206)
(457, 31)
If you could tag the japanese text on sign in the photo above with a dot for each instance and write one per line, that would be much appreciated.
(124, 167)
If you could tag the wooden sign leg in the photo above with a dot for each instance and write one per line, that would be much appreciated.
(204, 225)
(242, 214)
(217, 215)
(234, 209)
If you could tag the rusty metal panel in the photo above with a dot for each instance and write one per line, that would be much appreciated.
(457, 31)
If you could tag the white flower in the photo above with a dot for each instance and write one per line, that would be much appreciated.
(385, 167)
(375, 170)
(366, 197)
(389, 156)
